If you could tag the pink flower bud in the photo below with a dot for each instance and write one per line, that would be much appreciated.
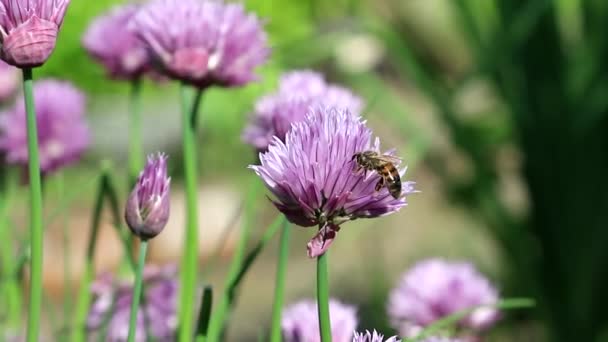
(29, 30)
(147, 209)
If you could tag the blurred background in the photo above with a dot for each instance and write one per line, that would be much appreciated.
(500, 108)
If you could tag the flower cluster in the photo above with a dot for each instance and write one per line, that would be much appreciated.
(298, 91)
(312, 175)
(29, 30)
(202, 43)
(299, 322)
(110, 309)
(124, 56)
(436, 288)
(63, 134)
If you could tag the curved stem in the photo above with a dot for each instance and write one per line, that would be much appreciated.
(143, 248)
(33, 324)
(189, 267)
(323, 298)
(279, 288)
(136, 160)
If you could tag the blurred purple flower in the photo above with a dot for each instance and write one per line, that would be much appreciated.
(300, 322)
(10, 79)
(312, 175)
(29, 30)
(157, 311)
(124, 56)
(147, 209)
(373, 337)
(298, 91)
(63, 134)
(436, 288)
(203, 43)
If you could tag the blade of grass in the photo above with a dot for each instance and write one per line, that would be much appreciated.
(84, 295)
(448, 321)
(217, 317)
(204, 314)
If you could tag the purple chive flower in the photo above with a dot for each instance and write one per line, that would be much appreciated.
(29, 30)
(203, 43)
(112, 306)
(298, 91)
(147, 209)
(373, 337)
(10, 78)
(312, 175)
(436, 288)
(300, 322)
(63, 135)
(124, 56)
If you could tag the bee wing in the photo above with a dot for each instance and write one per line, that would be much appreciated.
(390, 159)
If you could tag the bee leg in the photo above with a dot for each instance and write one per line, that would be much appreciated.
(380, 184)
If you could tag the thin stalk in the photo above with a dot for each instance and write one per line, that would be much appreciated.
(136, 160)
(33, 323)
(189, 265)
(84, 295)
(323, 298)
(143, 248)
(279, 288)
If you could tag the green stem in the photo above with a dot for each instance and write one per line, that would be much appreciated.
(279, 288)
(189, 267)
(323, 298)
(143, 248)
(33, 323)
(136, 160)
(84, 295)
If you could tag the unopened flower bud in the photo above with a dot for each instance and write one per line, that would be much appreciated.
(147, 209)
(29, 30)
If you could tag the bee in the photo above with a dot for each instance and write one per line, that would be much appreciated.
(384, 165)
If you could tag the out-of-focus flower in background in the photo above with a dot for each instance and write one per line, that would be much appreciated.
(63, 134)
(10, 79)
(29, 30)
(298, 91)
(202, 43)
(148, 205)
(111, 306)
(436, 288)
(373, 337)
(300, 322)
(109, 41)
(312, 175)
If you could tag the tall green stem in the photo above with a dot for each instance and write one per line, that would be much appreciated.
(33, 323)
(189, 267)
(323, 298)
(279, 288)
(143, 248)
(136, 160)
